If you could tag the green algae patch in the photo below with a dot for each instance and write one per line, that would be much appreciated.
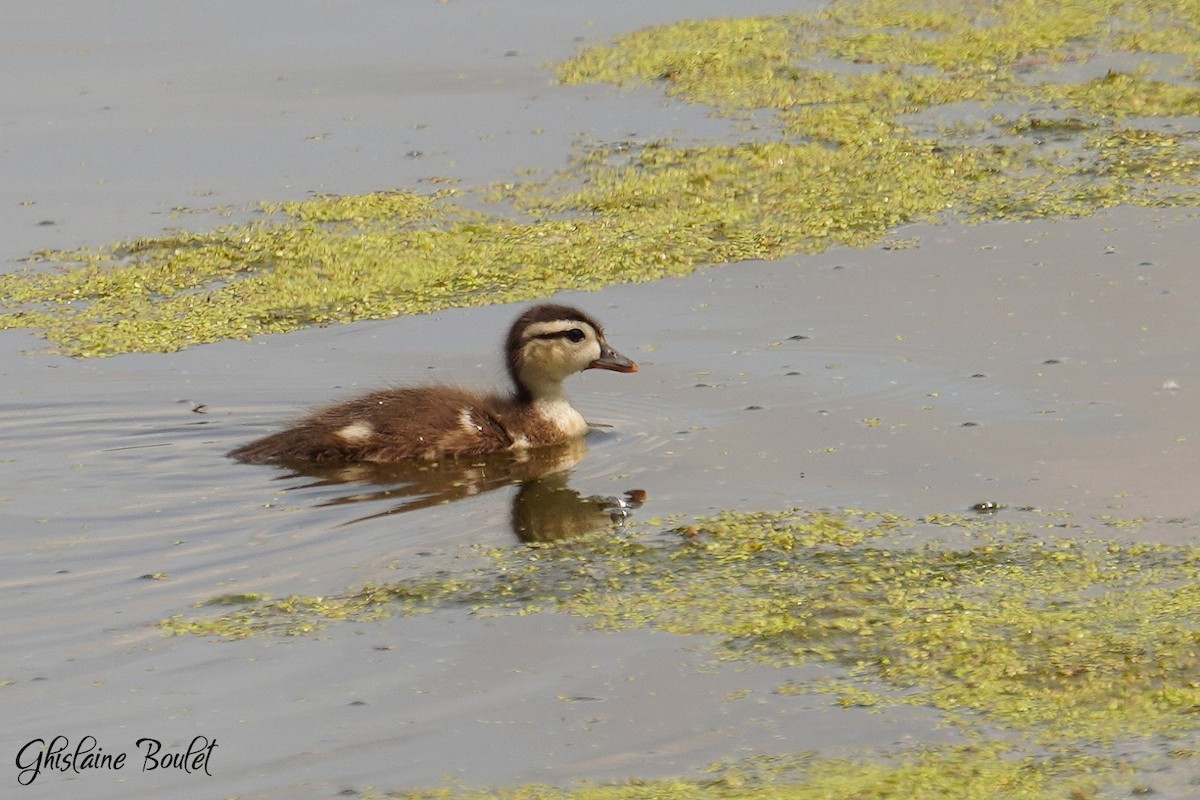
(298, 615)
(915, 105)
(323, 261)
(994, 625)
(859, 118)
(1070, 647)
(975, 772)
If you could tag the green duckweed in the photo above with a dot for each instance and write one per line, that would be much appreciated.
(1048, 654)
(858, 118)
(972, 772)
(1059, 638)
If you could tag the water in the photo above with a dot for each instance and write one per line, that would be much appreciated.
(114, 470)
(118, 507)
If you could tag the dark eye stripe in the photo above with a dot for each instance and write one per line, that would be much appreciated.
(574, 334)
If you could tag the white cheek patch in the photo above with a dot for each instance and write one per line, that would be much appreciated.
(356, 432)
(550, 354)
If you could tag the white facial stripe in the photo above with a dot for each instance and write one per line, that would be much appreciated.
(556, 327)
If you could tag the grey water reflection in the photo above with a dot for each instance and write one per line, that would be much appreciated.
(544, 507)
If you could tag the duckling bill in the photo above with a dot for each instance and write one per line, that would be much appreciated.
(545, 345)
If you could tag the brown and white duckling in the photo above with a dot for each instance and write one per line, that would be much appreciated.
(545, 344)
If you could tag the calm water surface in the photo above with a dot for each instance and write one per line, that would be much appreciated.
(841, 379)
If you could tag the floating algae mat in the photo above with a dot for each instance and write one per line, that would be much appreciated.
(1067, 638)
(861, 117)
(971, 772)
(1066, 645)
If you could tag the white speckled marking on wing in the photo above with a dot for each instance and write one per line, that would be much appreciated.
(356, 432)
(468, 424)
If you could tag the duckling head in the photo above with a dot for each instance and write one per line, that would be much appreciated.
(550, 342)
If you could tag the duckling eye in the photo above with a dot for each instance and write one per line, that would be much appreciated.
(575, 335)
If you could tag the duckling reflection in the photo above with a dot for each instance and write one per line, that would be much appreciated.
(544, 508)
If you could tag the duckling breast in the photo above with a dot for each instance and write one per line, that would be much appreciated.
(559, 416)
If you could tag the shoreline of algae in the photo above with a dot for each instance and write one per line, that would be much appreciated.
(981, 771)
(849, 155)
(1071, 647)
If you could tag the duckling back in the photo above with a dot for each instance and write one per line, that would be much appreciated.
(393, 425)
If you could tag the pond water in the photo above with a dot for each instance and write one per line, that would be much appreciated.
(114, 475)
(1050, 365)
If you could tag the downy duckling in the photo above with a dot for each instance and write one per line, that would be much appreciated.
(545, 344)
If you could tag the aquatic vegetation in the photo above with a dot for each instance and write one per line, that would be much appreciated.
(1074, 646)
(973, 772)
(1059, 638)
(860, 117)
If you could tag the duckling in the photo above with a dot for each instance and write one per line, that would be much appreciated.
(545, 345)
